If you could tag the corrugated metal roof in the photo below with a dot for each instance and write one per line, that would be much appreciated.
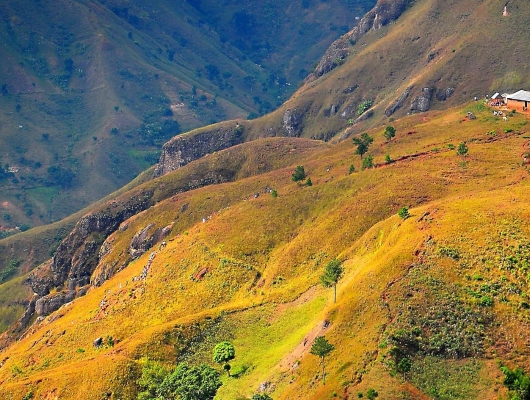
(521, 95)
(495, 96)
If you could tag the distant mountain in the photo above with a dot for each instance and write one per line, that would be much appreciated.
(90, 90)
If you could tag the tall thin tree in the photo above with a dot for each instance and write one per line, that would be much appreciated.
(332, 274)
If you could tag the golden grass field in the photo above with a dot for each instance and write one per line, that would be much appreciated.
(464, 243)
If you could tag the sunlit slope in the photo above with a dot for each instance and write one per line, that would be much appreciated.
(245, 268)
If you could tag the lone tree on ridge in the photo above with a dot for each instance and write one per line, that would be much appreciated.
(299, 174)
(389, 132)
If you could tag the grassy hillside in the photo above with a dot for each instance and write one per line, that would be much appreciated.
(444, 289)
(91, 90)
(446, 47)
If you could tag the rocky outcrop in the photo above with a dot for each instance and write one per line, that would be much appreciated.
(291, 122)
(183, 149)
(422, 102)
(392, 108)
(385, 11)
(40, 280)
(444, 94)
(77, 255)
(144, 240)
(48, 304)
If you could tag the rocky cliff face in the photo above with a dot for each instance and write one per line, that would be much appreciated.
(184, 149)
(73, 269)
(385, 11)
(78, 254)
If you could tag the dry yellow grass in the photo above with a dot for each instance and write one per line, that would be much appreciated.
(262, 253)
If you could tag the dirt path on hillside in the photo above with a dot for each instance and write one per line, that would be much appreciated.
(290, 361)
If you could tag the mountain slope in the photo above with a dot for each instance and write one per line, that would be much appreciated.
(434, 55)
(428, 306)
(384, 69)
(235, 264)
(91, 90)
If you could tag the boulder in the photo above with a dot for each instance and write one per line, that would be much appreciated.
(422, 102)
(392, 108)
(52, 302)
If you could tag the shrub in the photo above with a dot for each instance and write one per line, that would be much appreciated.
(368, 162)
(518, 382)
(261, 396)
(462, 149)
(351, 170)
(449, 252)
(363, 106)
(9, 271)
(486, 301)
(371, 394)
(28, 396)
(404, 213)
(404, 365)
(389, 132)
(298, 174)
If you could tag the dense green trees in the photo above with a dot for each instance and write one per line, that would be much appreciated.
(61, 176)
(183, 382)
(190, 383)
(153, 374)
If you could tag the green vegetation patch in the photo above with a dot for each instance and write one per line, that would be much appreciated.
(445, 379)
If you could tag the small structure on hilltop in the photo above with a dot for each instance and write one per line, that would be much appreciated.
(518, 100)
(496, 99)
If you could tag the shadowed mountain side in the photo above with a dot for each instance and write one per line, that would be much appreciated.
(92, 89)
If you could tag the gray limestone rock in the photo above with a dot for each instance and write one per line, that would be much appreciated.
(422, 102)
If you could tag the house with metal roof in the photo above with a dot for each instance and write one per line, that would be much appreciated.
(518, 100)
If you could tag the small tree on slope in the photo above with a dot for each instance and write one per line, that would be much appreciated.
(332, 274)
(223, 353)
(321, 348)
